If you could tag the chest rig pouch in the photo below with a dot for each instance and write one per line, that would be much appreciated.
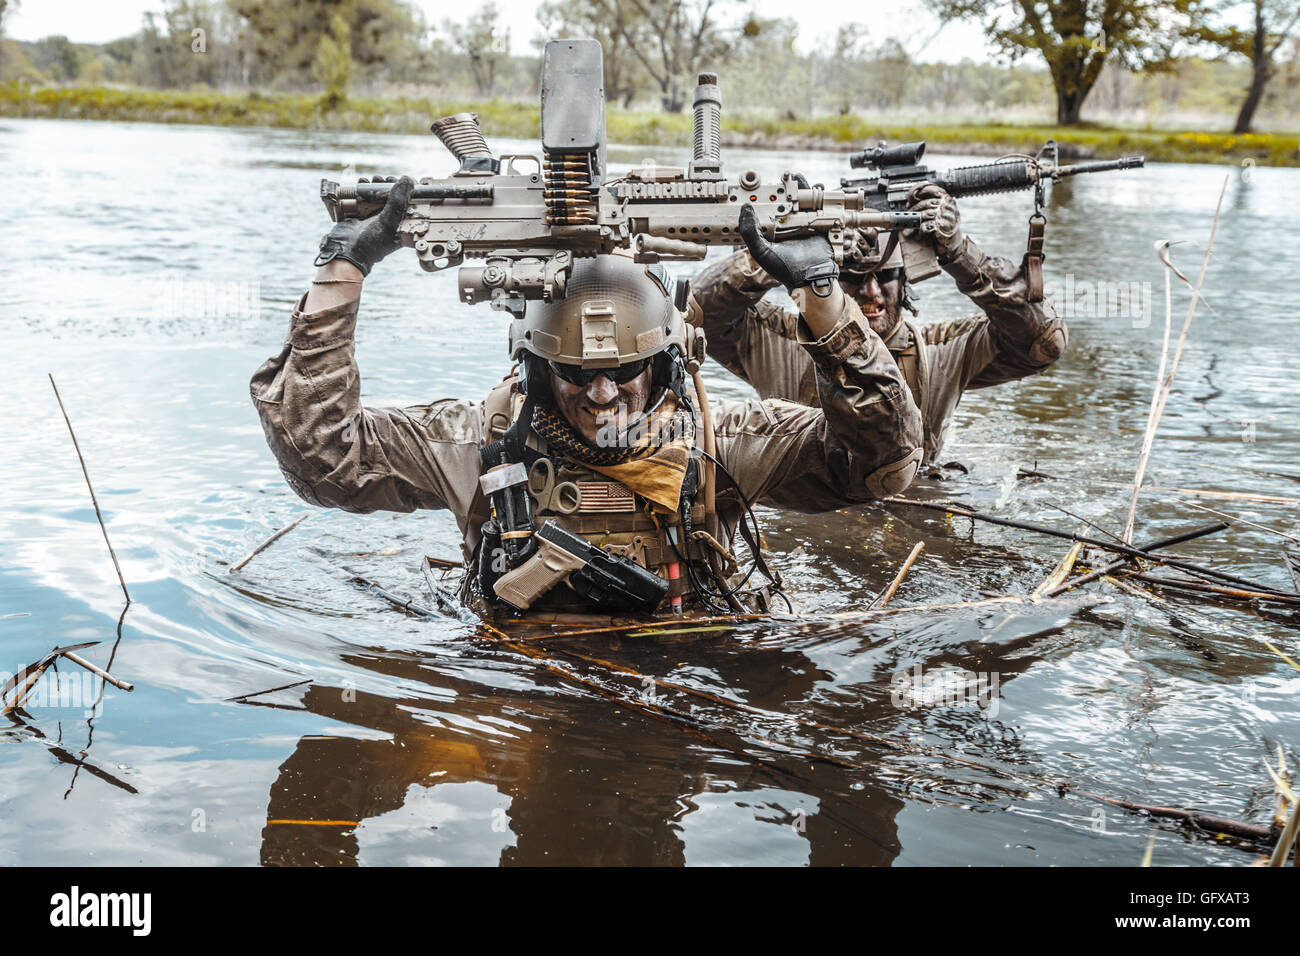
(561, 537)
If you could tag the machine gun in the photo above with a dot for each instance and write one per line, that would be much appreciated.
(529, 218)
(898, 171)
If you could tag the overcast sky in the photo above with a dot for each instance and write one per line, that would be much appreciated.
(95, 21)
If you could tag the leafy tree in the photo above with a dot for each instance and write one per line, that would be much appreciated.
(1076, 38)
(674, 39)
(282, 37)
(610, 22)
(1271, 22)
(333, 67)
(485, 43)
(57, 58)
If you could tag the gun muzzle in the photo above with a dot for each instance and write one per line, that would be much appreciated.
(880, 155)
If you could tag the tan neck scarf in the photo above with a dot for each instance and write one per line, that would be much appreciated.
(649, 457)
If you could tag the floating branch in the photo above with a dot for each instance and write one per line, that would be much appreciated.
(1153, 546)
(1205, 822)
(399, 602)
(30, 674)
(272, 540)
(1180, 584)
(269, 690)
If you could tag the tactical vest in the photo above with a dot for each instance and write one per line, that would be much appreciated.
(608, 514)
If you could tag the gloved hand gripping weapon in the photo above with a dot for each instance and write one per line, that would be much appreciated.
(528, 218)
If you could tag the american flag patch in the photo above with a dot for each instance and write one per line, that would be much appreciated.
(605, 496)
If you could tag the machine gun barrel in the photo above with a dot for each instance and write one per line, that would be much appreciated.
(359, 200)
(1101, 166)
(531, 217)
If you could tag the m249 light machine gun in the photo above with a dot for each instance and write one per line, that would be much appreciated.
(898, 171)
(528, 218)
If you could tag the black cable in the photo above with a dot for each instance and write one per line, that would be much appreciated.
(754, 524)
(732, 592)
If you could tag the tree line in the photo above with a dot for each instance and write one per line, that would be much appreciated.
(1058, 51)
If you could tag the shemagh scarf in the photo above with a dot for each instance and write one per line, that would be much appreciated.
(650, 458)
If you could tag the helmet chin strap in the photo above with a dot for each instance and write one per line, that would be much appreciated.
(907, 298)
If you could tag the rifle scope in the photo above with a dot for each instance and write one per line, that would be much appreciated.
(880, 155)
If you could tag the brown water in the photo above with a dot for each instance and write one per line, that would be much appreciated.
(151, 269)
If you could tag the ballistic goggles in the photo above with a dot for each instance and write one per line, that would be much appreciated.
(618, 374)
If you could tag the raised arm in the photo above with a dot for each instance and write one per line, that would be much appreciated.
(334, 451)
(864, 441)
(1015, 337)
(751, 337)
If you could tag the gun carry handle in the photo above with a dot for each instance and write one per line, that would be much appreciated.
(536, 576)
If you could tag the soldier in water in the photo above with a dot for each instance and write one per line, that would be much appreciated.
(599, 479)
(1015, 335)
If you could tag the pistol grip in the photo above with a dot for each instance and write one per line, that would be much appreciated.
(544, 570)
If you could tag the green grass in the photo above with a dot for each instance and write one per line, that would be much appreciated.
(410, 115)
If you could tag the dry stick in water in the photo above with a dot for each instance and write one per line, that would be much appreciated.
(93, 500)
(1184, 585)
(1194, 492)
(99, 672)
(1162, 392)
(1253, 832)
(1252, 524)
(1132, 552)
(1293, 568)
(1062, 570)
(1153, 546)
(1153, 414)
(272, 540)
(888, 593)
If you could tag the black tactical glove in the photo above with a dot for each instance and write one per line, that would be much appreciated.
(940, 218)
(363, 242)
(792, 262)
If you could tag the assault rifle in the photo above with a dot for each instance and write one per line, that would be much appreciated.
(898, 171)
(529, 217)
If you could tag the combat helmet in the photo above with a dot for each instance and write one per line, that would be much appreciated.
(870, 250)
(613, 311)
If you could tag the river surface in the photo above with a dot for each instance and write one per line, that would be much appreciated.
(151, 269)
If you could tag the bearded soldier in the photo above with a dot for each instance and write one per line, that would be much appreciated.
(1018, 334)
(598, 479)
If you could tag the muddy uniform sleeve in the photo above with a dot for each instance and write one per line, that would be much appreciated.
(753, 338)
(863, 442)
(335, 452)
(1012, 339)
